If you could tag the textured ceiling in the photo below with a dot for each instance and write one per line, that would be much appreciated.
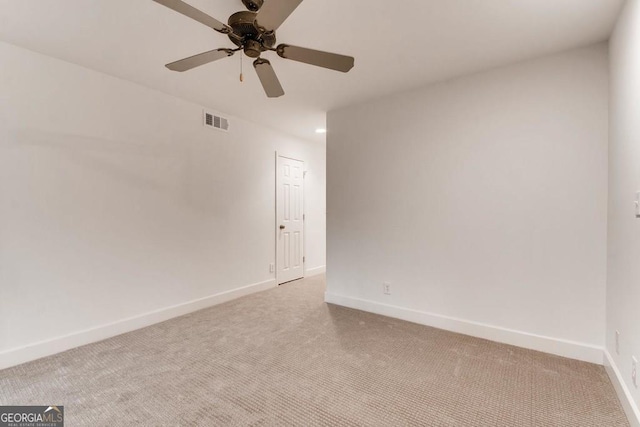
(398, 45)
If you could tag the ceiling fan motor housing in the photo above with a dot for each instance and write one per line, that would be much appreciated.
(251, 39)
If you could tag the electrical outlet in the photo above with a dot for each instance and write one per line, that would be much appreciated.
(618, 342)
(634, 371)
(386, 288)
(272, 268)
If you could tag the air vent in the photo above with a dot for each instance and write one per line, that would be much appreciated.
(214, 121)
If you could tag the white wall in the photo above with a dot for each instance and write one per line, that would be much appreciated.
(116, 202)
(623, 287)
(482, 200)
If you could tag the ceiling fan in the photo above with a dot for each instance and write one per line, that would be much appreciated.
(254, 32)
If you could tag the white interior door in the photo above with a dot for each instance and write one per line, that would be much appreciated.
(289, 219)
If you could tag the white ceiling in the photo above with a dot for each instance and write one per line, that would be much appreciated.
(398, 45)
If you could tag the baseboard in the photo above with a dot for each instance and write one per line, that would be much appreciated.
(316, 271)
(624, 394)
(560, 347)
(41, 349)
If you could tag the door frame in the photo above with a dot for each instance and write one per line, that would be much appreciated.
(304, 210)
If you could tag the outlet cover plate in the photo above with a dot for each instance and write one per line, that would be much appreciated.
(386, 288)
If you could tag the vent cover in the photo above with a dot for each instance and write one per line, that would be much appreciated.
(215, 121)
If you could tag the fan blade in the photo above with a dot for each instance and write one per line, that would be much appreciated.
(274, 12)
(193, 13)
(328, 60)
(200, 59)
(268, 78)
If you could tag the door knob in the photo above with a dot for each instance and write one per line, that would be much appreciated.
(282, 227)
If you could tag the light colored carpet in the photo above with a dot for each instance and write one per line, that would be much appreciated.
(283, 357)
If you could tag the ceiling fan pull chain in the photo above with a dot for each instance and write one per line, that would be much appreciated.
(241, 75)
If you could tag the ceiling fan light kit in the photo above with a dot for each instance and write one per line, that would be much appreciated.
(254, 31)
